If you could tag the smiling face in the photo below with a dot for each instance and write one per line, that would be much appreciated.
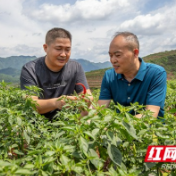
(123, 58)
(58, 53)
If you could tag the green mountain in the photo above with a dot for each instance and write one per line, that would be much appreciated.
(89, 66)
(10, 75)
(15, 61)
(10, 67)
(10, 71)
(165, 59)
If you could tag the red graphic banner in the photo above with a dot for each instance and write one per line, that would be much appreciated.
(160, 153)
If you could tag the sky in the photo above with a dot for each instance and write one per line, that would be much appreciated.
(92, 23)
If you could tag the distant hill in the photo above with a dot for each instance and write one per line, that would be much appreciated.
(10, 67)
(94, 77)
(15, 61)
(18, 61)
(10, 75)
(89, 66)
(165, 59)
(10, 71)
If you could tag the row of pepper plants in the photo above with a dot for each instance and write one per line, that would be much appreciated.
(102, 143)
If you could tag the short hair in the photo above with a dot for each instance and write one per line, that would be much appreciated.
(132, 39)
(54, 33)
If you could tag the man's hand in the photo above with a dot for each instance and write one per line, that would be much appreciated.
(60, 104)
(88, 100)
(46, 105)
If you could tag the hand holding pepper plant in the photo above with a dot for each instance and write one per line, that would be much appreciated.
(72, 146)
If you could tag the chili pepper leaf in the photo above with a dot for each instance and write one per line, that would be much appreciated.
(107, 118)
(44, 173)
(130, 129)
(4, 163)
(113, 172)
(83, 145)
(95, 132)
(114, 154)
(50, 153)
(143, 131)
(18, 152)
(14, 145)
(96, 160)
(26, 137)
(70, 128)
(29, 166)
(78, 169)
(64, 159)
(149, 165)
(23, 172)
(89, 134)
(19, 121)
(161, 136)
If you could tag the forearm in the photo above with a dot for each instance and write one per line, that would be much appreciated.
(104, 102)
(153, 109)
(47, 105)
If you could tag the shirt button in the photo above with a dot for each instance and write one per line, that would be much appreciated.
(128, 98)
(129, 84)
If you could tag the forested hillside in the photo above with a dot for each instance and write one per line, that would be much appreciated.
(10, 67)
(166, 59)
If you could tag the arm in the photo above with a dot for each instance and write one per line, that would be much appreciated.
(47, 105)
(152, 108)
(28, 78)
(104, 102)
(105, 93)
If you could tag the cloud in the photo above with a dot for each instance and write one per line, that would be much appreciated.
(21, 50)
(92, 23)
(155, 30)
(153, 23)
(81, 10)
(143, 24)
(19, 35)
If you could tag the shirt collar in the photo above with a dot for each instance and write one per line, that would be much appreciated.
(142, 70)
(119, 76)
(141, 73)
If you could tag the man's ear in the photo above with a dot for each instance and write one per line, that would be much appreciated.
(45, 46)
(136, 52)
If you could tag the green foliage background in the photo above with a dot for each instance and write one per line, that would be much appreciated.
(101, 143)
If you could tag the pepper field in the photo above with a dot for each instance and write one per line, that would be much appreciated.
(99, 144)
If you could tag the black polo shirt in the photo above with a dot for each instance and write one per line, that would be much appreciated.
(53, 84)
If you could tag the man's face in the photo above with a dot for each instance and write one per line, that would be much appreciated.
(121, 57)
(58, 53)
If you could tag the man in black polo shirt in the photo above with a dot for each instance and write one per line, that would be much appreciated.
(54, 73)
